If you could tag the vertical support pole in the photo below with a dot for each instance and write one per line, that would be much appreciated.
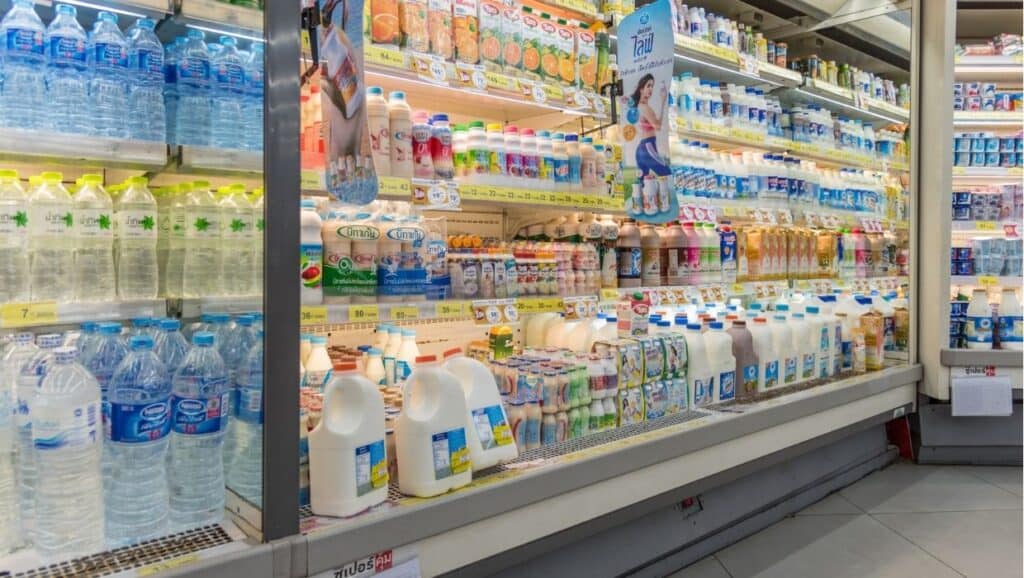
(281, 21)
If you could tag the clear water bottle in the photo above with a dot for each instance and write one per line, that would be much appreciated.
(171, 54)
(140, 326)
(67, 436)
(198, 421)
(237, 344)
(108, 90)
(236, 240)
(146, 97)
(257, 214)
(94, 230)
(17, 353)
(245, 475)
(193, 82)
(228, 121)
(22, 67)
(30, 376)
(174, 261)
(14, 239)
(137, 430)
(171, 346)
(254, 98)
(202, 324)
(51, 245)
(137, 234)
(102, 359)
(220, 327)
(67, 74)
(88, 334)
(202, 274)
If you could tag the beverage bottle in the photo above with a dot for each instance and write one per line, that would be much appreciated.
(560, 162)
(52, 247)
(441, 147)
(198, 421)
(545, 161)
(22, 64)
(139, 397)
(227, 127)
(66, 438)
(1011, 327)
(164, 197)
(405, 359)
(67, 73)
(14, 239)
(746, 360)
(979, 321)
(629, 254)
(789, 356)
(193, 80)
(513, 156)
(650, 242)
(102, 360)
(252, 108)
(172, 53)
(423, 162)
(236, 240)
(400, 129)
(691, 262)
(496, 164)
(136, 214)
(719, 347)
(20, 350)
(257, 239)
(201, 269)
(233, 351)
(94, 277)
(220, 326)
(171, 277)
(528, 154)
(768, 358)
(318, 364)
(108, 83)
(245, 474)
(700, 372)
(146, 112)
(572, 149)
(170, 345)
(380, 131)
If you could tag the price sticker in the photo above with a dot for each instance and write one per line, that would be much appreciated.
(313, 316)
(394, 186)
(26, 314)
(363, 313)
(478, 79)
(609, 294)
(510, 312)
(986, 225)
(430, 68)
(404, 313)
(450, 309)
(599, 106)
(749, 64)
(386, 57)
(988, 281)
(540, 96)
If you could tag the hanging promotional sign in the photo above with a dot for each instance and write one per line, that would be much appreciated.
(645, 58)
(349, 114)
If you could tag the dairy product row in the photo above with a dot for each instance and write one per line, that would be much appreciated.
(985, 149)
(991, 203)
(982, 324)
(988, 256)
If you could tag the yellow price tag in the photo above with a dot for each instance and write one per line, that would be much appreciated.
(395, 186)
(738, 289)
(387, 57)
(609, 294)
(988, 281)
(166, 565)
(311, 180)
(25, 314)
(986, 225)
(450, 309)
(404, 313)
(313, 316)
(498, 81)
(554, 92)
(363, 313)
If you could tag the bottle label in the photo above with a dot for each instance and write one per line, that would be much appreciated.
(193, 70)
(531, 166)
(771, 374)
(137, 423)
(198, 416)
(402, 370)
(240, 227)
(808, 366)
(148, 62)
(532, 431)
(136, 225)
(55, 428)
(514, 164)
(50, 221)
(176, 224)
(979, 329)
(750, 379)
(492, 427)
(109, 56)
(630, 262)
(546, 168)
(1011, 328)
(230, 76)
(847, 351)
(575, 170)
(69, 50)
(248, 406)
(791, 365)
(371, 468)
(496, 163)
(20, 40)
(548, 432)
(478, 162)
(346, 275)
(703, 391)
(205, 224)
(561, 170)
(13, 222)
(451, 456)
(726, 385)
(310, 265)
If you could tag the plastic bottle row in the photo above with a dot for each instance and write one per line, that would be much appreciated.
(695, 22)
(983, 324)
(851, 77)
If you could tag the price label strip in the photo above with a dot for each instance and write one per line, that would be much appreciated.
(363, 314)
(313, 316)
(404, 313)
(431, 68)
(451, 309)
(495, 311)
(28, 314)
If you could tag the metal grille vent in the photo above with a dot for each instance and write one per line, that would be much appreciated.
(129, 557)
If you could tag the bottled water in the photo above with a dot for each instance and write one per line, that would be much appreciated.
(202, 275)
(102, 359)
(22, 67)
(51, 245)
(245, 475)
(163, 198)
(193, 82)
(88, 334)
(236, 241)
(20, 351)
(220, 327)
(66, 433)
(14, 239)
(228, 123)
(67, 74)
(170, 345)
(136, 261)
(172, 274)
(257, 213)
(235, 348)
(198, 421)
(171, 55)
(94, 231)
(254, 98)
(136, 431)
(140, 326)
(30, 375)
(146, 99)
(108, 92)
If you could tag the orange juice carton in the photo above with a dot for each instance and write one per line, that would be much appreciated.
(384, 28)
(565, 50)
(439, 26)
(466, 31)
(548, 48)
(490, 34)
(586, 58)
(413, 15)
(512, 37)
(531, 43)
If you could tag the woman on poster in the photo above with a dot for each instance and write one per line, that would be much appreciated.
(648, 160)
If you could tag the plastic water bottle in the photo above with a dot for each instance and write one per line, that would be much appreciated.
(51, 244)
(236, 240)
(14, 239)
(137, 430)
(170, 345)
(67, 74)
(193, 81)
(108, 92)
(202, 273)
(174, 239)
(136, 236)
(67, 435)
(146, 99)
(220, 327)
(257, 213)
(88, 334)
(254, 98)
(198, 421)
(94, 231)
(21, 350)
(235, 348)
(101, 359)
(203, 324)
(22, 62)
(228, 122)
(171, 55)
(30, 375)
(245, 475)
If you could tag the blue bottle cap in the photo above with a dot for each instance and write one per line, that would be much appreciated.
(142, 322)
(138, 342)
(110, 328)
(717, 325)
(203, 339)
(170, 324)
(813, 310)
(693, 327)
(244, 320)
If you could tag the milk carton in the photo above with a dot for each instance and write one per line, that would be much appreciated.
(719, 350)
(700, 373)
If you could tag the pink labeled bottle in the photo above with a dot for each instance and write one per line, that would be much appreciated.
(693, 246)
(528, 155)
(513, 156)
(441, 147)
(861, 253)
(423, 162)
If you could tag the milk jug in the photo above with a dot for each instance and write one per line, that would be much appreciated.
(746, 359)
(348, 466)
(719, 349)
(488, 434)
(821, 337)
(806, 347)
(783, 339)
(768, 359)
(535, 328)
(1011, 331)
(979, 321)
(379, 123)
(430, 433)
(699, 372)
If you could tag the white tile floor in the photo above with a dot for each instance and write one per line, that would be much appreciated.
(906, 521)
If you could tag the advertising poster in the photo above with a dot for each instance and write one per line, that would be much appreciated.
(350, 175)
(645, 58)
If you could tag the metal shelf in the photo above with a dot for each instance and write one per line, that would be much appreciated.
(17, 315)
(987, 173)
(985, 227)
(846, 102)
(223, 15)
(985, 281)
(991, 119)
(219, 161)
(999, 69)
(192, 308)
(990, 357)
(39, 146)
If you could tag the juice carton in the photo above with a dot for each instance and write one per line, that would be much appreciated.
(413, 15)
(548, 48)
(531, 43)
(633, 311)
(675, 355)
(631, 406)
(654, 359)
(512, 37)
(873, 326)
(586, 58)
(678, 395)
(656, 399)
(466, 31)
(490, 34)
(439, 25)
(384, 28)
(565, 46)
(630, 359)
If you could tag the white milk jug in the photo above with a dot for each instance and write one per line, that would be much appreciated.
(488, 434)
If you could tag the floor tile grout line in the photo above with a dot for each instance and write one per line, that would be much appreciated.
(969, 472)
(1017, 509)
(849, 501)
(916, 545)
(722, 564)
